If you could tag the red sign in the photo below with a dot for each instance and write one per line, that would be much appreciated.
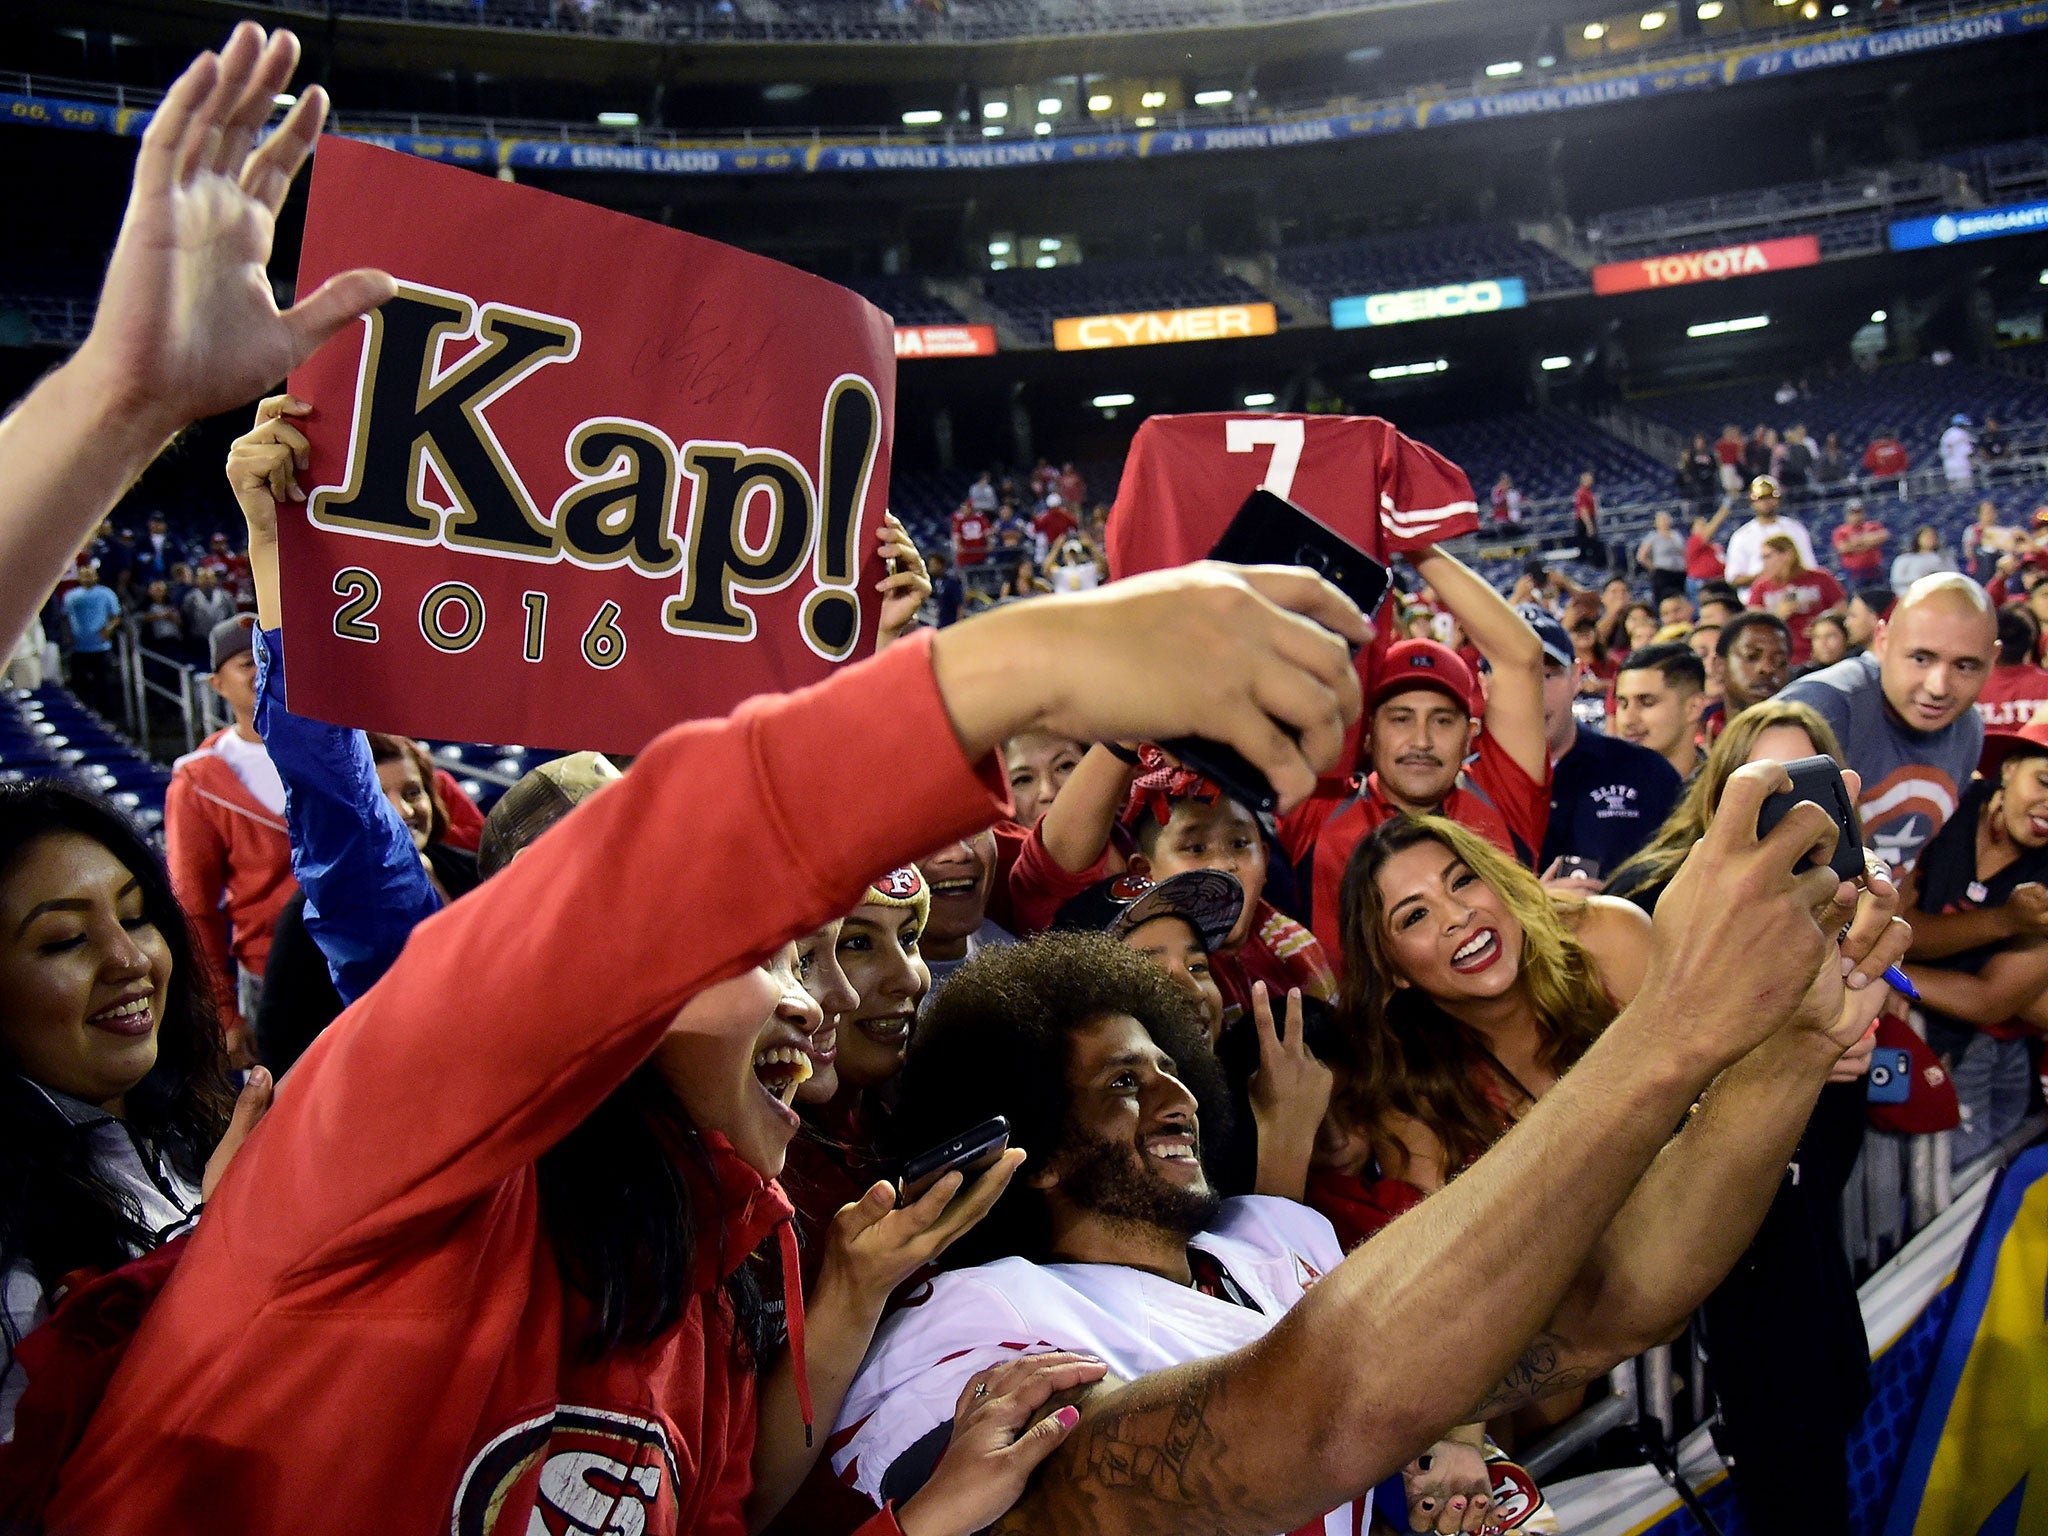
(1707, 266)
(945, 340)
(583, 477)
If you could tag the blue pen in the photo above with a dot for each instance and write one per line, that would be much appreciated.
(1899, 983)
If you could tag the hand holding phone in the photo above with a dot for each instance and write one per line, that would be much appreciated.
(1270, 530)
(1819, 780)
(969, 1153)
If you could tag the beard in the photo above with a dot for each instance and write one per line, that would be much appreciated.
(1110, 1179)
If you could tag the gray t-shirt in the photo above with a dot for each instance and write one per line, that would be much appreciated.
(1912, 780)
(1666, 551)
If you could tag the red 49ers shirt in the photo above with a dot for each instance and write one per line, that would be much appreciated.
(1186, 476)
(970, 536)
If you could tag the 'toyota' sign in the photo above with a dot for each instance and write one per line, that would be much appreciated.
(583, 477)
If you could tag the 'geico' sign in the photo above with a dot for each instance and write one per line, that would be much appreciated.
(1452, 299)
(1092, 332)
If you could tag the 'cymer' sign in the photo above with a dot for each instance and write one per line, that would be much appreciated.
(583, 477)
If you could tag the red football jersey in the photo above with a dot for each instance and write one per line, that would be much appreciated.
(2012, 695)
(970, 536)
(1186, 476)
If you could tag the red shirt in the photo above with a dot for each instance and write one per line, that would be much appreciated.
(1053, 524)
(1279, 952)
(1813, 592)
(1492, 796)
(370, 1317)
(1384, 492)
(1586, 505)
(970, 536)
(1865, 563)
(1727, 450)
(1884, 458)
(1703, 559)
(2012, 695)
(1073, 489)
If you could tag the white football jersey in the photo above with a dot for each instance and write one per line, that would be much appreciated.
(1133, 1321)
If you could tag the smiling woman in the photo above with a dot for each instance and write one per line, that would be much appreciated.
(115, 1089)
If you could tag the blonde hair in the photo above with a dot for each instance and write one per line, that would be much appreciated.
(1408, 1056)
(1658, 859)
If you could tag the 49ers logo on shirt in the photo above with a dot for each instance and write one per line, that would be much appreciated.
(572, 1472)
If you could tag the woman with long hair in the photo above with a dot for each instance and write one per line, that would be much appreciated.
(1777, 730)
(114, 1085)
(1795, 592)
(1468, 990)
(1924, 557)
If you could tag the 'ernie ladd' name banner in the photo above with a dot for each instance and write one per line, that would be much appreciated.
(583, 477)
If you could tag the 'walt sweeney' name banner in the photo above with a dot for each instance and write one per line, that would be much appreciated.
(585, 476)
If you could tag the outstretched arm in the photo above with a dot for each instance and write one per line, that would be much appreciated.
(1077, 825)
(2010, 981)
(186, 325)
(1439, 1311)
(1514, 710)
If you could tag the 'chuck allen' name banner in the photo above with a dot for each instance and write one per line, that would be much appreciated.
(583, 477)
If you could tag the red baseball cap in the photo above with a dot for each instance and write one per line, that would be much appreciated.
(1999, 745)
(1424, 664)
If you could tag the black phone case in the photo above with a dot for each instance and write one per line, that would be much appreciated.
(1819, 779)
(1271, 530)
(954, 1152)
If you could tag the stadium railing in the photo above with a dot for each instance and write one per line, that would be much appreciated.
(1632, 232)
(847, 22)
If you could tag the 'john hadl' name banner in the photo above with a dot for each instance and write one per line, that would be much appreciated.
(583, 477)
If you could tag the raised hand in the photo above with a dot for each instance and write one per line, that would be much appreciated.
(906, 586)
(1254, 657)
(264, 462)
(187, 324)
(992, 1453)
(1290, 1094)
(251, 1105)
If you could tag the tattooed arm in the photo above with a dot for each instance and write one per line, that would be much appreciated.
(1438, 1313)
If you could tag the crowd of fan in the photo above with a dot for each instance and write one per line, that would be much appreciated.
(1018, 537)
(540, 1166)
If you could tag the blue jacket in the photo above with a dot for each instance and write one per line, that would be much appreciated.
(366, 889)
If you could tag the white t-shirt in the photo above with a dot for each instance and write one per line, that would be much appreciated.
(1746, 548)
(1957, 447)
(252, 765)
(1133, 1321)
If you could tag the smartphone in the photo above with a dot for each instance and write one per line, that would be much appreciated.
(1890, 1079)
(1819, 779)
(1572, 867)
(971, 1152)
(1271, 530)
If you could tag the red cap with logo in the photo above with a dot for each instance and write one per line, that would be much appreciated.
(1424, 664)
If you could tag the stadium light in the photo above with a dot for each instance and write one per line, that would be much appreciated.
(1262, 398)
(1406, 370)
(1810, 10)
(924, 118)
(1652, 20)
(1101, 103)
(1152, 99)
(2044, 277)
(1144, 122)
(1710, 11)
(999, 247)
(1546, 60)
(1723, 327)
(1046, 261)
(991, 130)
(1111, 402)
(1049, 243)
(1050, 106)
(1498, 71)
(1595, 31)
(1555, 364)
(995, 109)
(618, 119)
(1214, 98)
(1042, 128)
(999, 266)
(1839, 11)
(1878, 317)
(284, 99)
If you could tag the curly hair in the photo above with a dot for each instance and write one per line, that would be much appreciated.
(1407, 1055)
(993, 1041)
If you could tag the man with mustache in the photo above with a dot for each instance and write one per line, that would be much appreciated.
(1437, 745)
